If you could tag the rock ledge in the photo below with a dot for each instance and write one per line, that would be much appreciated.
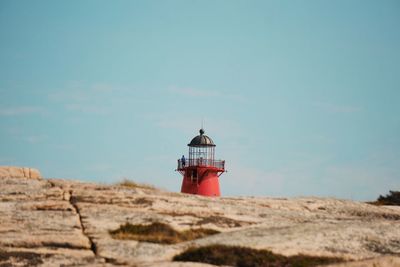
(53, 222)
(19, 172)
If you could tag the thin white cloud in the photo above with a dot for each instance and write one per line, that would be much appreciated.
(92, 98)
(80, 92)
(63, 147)
(193, 92)
(86, 108)
(334, 108)
(21, 110)
(100, 167)
(107, 88)
(196, 92)
(185, 125)
(224, 128)
(19, 134)
(35, 139)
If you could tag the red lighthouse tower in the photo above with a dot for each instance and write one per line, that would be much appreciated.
(201, 171)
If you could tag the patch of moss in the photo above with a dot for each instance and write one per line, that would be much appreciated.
(158, 233)
(248, 257)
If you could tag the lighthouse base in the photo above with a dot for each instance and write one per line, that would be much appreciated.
(206, 184)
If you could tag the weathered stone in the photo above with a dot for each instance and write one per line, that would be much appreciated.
(19, 172)
(48, 257)
(64, 222)
(385, 261)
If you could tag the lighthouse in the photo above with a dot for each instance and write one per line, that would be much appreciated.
(201, 171)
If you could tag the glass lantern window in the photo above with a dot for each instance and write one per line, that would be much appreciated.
(201, 152)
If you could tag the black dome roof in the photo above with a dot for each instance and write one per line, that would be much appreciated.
(201, 140)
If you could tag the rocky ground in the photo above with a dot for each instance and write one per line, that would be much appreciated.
(53, 222)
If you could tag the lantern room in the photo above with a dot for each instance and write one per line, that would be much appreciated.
(201, 148)
(201, 171)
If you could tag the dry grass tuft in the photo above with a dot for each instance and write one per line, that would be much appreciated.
(9, 258)
(178, 214)
(158, 233)
(132, 184)
(142, 201)
(222, 221)
(247, 257)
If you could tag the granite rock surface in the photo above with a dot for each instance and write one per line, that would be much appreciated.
(53, 222)
(19, 172)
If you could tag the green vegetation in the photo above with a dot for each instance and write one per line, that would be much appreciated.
(158, 233)
(247, 257)
(393, 198)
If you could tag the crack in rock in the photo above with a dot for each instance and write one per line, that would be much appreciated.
(73, 202)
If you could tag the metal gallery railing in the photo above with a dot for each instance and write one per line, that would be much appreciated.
(219, 164)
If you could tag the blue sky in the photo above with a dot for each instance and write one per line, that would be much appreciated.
(301, 97)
